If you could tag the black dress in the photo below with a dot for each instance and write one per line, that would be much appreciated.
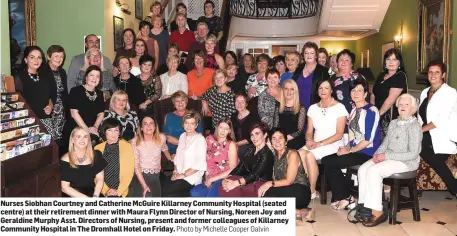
(238, 84)
(294, 125)
(241, 129)
(82, 177)
(133, 87)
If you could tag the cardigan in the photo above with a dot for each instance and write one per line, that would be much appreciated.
(127, 167)
(319, 73)
(439, 111)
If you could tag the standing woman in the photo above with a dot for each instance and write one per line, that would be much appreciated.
(233, 80)
(292, 115)
(390, 84)
(86, 104)
(268, 105)
(256, 83)
(213, 59)
(37, 86)
(119, 109)
(190, 160)
(182, 36)
(81, 169)
(152, 45)
(247, 68)
(219, 99)
(152, 85)
(161, 36)
(199, 79)
(148, 146)
(221, 159)
(230, 58)
(323, 58)
(279, 63)
(173, 80)
(436, 104)
(292, 61)
(129, 83)
(308, 75)
(118, 153)
(214, 22)
(140, 49)
(127, 49)
(56, 58)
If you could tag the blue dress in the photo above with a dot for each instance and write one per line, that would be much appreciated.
(173, 127)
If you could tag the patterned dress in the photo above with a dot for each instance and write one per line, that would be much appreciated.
(129, 123)
(58, 112)
(253, 82)
(216, 156)
(221, 104)
(342, 87)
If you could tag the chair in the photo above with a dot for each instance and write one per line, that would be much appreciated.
(396, 181)
(323, 183)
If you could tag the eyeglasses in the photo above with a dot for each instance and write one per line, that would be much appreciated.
(94, 56)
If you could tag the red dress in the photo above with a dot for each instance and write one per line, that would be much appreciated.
(216, 156)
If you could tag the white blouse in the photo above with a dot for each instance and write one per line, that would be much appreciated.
(171, 84)
(191, 154)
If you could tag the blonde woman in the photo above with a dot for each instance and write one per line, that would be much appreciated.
(213, 59)
(119, 109)
(81, 169)
(173, 80)
(94, 57)
(148, 146)
(292, 61)
(292, 115)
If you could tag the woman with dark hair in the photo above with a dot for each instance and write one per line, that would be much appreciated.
(242, 120)
(436, 104)
(234, 81)
(345, 76)
(323, 58)
(37, 86)
(151, 45)
(129, 83)
(148, 146)
(324, 132)
(140, 49)
(190, 160)
(190, 23)
(390, 84)
(308, 74)
(254, 169)
(86, 104)
(247, 67)
(268, 105)
(214, 22)
(364, 140)
(199, 79)
(161, 36)
(292, 115)
(230, 58)
(152, 85)
(289, 176)
(257, 83)
(182, 36)
(118, 153)
(279, 63)
(81, 168)
(127, 49)
(221, 159)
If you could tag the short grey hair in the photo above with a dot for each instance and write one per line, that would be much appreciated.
(413, 101)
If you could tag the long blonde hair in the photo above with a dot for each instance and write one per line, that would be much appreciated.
(71, 149)
(140, 136)
(296, 102)
(86, 59)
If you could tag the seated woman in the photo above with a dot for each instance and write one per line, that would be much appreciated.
(324, 133)
(152, 86)
(268, 105)
(242, 120)
(119, 155)
(289, 177)
(148, 146)
(256, 83)
(398, 153)
(219, 99)
(221, 159)
(172, 127)
(213, 59)
(199, 79)
(119, 109)
(292, 115)
(255, 167)
(364, 139)
(81, 169)
(234, 81)
(173, 80)
(190, 160)
(129, 83)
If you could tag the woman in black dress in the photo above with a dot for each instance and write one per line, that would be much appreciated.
(152, 85)
(86, 104)
(390, 84)
(292, 115)
(36, 85)
(80, 166)
(127, 82)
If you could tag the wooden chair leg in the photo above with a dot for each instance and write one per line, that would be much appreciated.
(323, 193)
(415, 199)
(394, 195)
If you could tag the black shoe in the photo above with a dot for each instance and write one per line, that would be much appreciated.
(373, 221)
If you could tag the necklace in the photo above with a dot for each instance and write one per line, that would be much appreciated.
(81, 159)
(324, 109)
(33, 78)
(434, 90)
(91, 97)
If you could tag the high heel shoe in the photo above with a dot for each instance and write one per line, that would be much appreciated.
(373, 220)
(308, 215)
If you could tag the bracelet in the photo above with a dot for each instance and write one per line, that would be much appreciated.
(184, 173)
(239, 181)
(95, 195)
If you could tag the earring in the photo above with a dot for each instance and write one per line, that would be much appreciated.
(399, 67)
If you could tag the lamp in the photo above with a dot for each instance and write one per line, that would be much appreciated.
(399, 38)
(126, 11)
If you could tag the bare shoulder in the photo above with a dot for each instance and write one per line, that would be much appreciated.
(65, 158)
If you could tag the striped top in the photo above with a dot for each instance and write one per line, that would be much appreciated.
(111, 155)
(364, 125)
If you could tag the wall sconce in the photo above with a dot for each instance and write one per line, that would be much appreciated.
(126, 11)
(399, 38)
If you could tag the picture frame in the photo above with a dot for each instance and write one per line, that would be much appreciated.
(433, 35)
(365, 59)
(384, 49)
(139, 9)
(118, 27)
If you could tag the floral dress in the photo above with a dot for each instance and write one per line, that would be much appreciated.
(216, 156)
(342, 89)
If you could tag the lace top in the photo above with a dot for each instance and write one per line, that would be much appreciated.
(268, 109)
(148, 155)
(292, 124)
(280, 170)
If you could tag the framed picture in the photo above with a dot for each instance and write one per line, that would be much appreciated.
(118, 27)
(365, 59)
(384, 49)
(139, 9)
(434, 16)
(22, 29)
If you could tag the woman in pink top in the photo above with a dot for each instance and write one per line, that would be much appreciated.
(221, 159)
(148, 146)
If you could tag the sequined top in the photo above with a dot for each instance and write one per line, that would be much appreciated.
(280, 169)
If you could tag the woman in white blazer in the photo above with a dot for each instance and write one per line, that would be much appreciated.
(436, 105)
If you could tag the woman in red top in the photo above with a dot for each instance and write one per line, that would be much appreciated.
(182, 36)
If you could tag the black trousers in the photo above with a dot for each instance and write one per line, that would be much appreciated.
(338, 182)
(438, 163)
(177, 188)
(300, 192)
(152, 181)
